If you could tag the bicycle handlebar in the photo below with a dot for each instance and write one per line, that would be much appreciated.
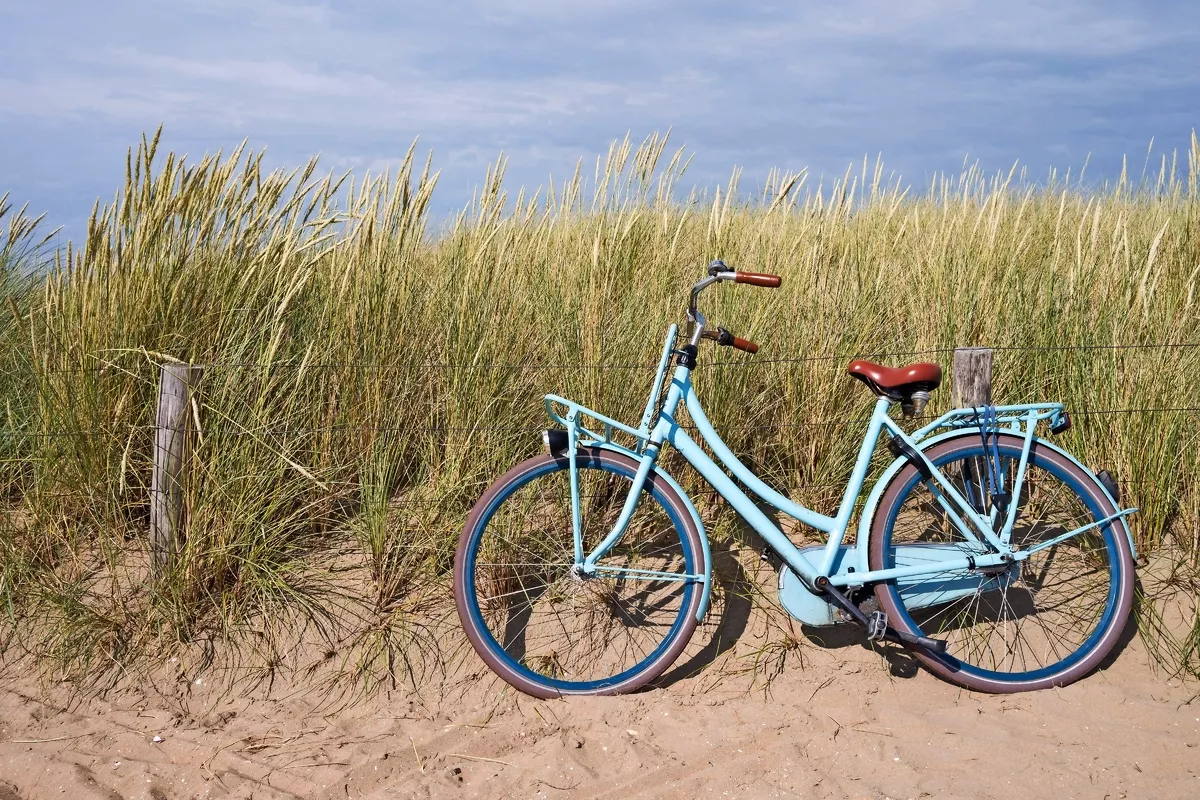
(719, 271)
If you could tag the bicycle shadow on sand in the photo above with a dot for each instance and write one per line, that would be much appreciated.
(903, 664)
(736, 607)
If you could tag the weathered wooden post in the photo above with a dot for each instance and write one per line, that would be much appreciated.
(170, 454)
(972, 377)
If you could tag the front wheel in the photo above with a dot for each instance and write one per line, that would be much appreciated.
(1042, 622)
(543, 625)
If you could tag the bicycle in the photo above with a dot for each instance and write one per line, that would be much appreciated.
(998, 559)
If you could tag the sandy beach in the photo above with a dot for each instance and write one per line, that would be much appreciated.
(838, 721)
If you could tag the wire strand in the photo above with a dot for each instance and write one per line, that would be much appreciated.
(521, 429)
(538, 367)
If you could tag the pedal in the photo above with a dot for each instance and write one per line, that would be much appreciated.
(877, 626)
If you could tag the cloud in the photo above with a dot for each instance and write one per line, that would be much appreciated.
(270, 75)
(272, 12)
(755, 84)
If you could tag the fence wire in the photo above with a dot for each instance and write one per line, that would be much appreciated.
(113, 368)
(531, 429)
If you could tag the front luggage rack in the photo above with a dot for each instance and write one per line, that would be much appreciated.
(592, 427)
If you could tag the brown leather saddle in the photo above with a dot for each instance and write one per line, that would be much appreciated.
(897, 383)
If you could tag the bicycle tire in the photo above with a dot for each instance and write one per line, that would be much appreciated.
(543, 580)
(1105, 551)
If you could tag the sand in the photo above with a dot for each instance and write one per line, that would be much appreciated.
(837, 721)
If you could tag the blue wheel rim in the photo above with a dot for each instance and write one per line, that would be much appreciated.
(1110, 606)
(516, 666)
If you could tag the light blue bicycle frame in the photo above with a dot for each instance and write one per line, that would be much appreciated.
(986, 542)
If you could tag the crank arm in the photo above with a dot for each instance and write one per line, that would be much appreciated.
(889, 634)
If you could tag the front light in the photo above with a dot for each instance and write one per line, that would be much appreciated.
(555, 441)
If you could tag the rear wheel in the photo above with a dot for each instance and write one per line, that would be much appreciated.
(541, 624)
(1045, 621)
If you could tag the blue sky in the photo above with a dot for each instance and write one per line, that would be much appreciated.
(547, 81)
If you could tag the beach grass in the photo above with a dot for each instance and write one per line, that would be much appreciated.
(368, 371)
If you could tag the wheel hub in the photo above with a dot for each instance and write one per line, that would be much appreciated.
(1001, 576)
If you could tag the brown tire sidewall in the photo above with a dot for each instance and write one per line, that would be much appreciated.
(587, 457)
(942, 665)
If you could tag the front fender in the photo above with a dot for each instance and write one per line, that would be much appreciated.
(705, 552)
(869, 508)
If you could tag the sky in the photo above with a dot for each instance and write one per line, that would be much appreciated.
(749, 84)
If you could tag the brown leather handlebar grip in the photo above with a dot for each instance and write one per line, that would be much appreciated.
(727, 339)
(758, 279)
(745, 345)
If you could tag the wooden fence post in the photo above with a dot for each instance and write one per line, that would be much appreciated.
(170, 453)
(972, 377)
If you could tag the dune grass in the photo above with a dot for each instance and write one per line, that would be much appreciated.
(368, 372)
